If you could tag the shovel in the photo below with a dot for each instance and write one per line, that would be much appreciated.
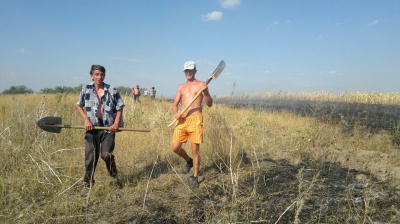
(54, 124)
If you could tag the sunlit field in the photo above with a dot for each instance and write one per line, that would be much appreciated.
(320, 163)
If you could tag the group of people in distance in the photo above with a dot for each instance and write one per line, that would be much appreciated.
(136, 92)
(100, 104)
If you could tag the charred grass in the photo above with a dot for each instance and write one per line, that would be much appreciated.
(258, 166)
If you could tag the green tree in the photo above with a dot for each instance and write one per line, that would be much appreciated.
(62, 89)
(18, 90)
(123, 90)
(77, 89)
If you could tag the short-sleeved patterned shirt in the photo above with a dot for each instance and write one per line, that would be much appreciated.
(111, 103)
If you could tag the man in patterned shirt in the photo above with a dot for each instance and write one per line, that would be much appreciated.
(100, 104)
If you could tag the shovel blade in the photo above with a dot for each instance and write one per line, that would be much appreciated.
(218, 69)
(48, 124)
(216, 72)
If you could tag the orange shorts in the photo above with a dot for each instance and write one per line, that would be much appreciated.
(190, 126)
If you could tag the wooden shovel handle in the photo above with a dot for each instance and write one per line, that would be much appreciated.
(94, 127)
(184, 109)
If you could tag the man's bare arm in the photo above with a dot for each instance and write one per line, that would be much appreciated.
(207, 97)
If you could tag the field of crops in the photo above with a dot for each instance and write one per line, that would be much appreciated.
(271, 158)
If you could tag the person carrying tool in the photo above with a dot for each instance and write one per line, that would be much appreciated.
(190, 123)
(103, 107)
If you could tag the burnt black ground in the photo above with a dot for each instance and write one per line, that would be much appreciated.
(276, 190)
(375, 117)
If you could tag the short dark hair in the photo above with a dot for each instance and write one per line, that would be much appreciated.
(97, 67)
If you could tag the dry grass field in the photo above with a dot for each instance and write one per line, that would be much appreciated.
(258, 166)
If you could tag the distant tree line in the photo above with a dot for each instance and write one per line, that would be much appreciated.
(61, 89)
(18, 90)
(58, 89)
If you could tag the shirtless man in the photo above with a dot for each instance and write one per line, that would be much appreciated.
(136, 94)
(190, 124)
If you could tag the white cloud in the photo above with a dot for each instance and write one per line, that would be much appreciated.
(212, 16)
(229, 3)
(276, 22)
(125, 59)
(24, 51)
(373, 23)
(333, 73)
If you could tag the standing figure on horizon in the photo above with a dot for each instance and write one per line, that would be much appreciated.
(136, 94)
(152, 93)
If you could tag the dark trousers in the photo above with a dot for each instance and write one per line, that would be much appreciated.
(136, 97)
(99, 142)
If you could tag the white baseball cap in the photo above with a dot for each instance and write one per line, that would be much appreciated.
(189, 65)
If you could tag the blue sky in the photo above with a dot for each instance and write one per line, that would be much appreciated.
(292, 46)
